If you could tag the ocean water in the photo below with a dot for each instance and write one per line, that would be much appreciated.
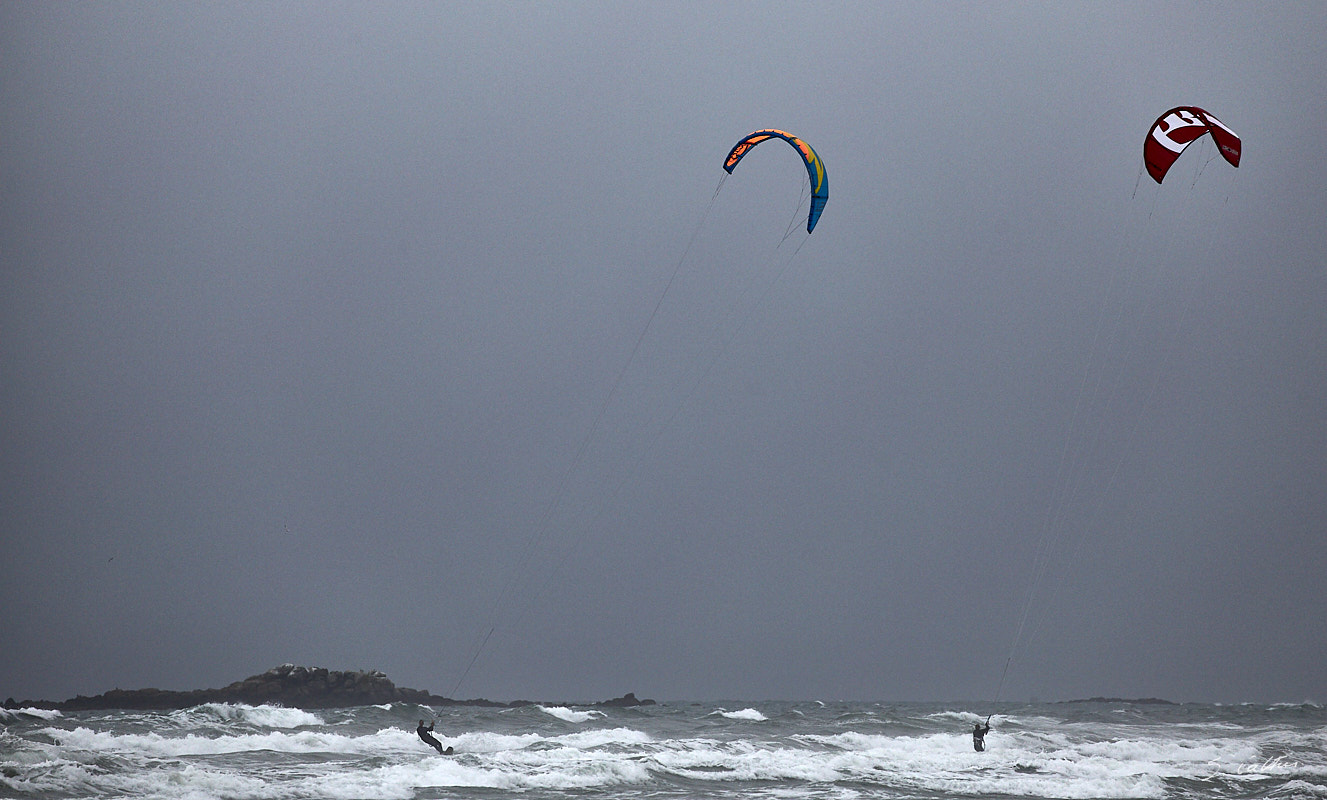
(674, 750)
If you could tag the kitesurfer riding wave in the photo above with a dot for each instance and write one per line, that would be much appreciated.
(424, 733)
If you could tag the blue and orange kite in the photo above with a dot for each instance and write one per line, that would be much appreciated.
(815, 168)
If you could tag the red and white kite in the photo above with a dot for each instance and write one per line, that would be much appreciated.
(1177, 129)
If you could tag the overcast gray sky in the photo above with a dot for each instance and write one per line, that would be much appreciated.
(313, 314)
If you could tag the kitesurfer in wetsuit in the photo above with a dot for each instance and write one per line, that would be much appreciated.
(979, 732)
(424, 733)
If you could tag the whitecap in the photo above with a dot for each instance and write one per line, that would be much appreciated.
(570, 715)
(190, 781)
(267, 716)
(1301, 789)
(485, 742)
(155, 745)
(1305, 704)
(29, 713)
(585, 740)
(747, 714)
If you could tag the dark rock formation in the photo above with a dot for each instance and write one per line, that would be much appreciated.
(287, 685)
(627, 700)
(1147, 701)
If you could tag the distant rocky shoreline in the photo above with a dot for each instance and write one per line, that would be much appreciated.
(291, 686)
(1142, 701)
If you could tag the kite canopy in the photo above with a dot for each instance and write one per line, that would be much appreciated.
(1177, 129)
(815, 168)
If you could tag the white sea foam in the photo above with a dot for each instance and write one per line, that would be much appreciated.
(566, 770)
(54, 777)
(8, 714)
(747, 714)
(482, 742)
(586, 740)
(570, 715)
(970, 717)
(1035, 765)
(962, 716)
(726, 763)
(1302, 789)
(265, 716)
(831, 754)
(1305, 704)
(159, 746)
(188, 782)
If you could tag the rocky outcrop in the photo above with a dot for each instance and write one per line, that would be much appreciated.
(1146, 701)
(317, 687)
(287, 685)
(625, 701)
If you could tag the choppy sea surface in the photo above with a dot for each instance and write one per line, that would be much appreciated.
(672, 750)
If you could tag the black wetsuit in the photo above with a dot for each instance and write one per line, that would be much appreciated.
(428, 738)
(979, 736)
